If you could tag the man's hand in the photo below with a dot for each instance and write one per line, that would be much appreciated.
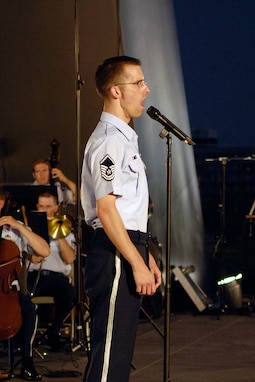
(33, 258)
(147, 280)
(37, 259)
(9, 221)
(39, 245)
(57, 173)
(155, 270)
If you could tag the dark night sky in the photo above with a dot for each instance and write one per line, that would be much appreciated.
(217, 45)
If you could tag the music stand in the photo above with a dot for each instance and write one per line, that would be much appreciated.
(37, 221)
(25, 194)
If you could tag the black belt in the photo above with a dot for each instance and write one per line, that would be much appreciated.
(139, 237)
(45, 272)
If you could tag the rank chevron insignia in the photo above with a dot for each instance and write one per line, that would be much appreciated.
(107, 167)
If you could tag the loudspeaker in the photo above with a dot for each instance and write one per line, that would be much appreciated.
(193, 290)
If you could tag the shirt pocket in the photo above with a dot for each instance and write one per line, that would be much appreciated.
(135, 167)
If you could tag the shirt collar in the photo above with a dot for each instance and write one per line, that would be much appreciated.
(122, 126)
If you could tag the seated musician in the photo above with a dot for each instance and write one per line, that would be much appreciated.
(42, 174)
(54, 272)
(29, 242)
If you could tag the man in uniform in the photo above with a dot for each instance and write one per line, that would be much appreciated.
(119, 269)
(43, 173)
(33, 245)
(54, 272)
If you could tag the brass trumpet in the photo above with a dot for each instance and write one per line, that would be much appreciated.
(60, 226)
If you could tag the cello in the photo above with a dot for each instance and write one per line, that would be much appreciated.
(10, 267)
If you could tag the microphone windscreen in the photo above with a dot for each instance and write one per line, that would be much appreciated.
(153, 112)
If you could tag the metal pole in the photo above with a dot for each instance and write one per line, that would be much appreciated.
(168, 263)
(79, 84)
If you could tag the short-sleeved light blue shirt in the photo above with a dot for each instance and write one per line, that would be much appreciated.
(54, 261)
(112, 164)
(20, 240)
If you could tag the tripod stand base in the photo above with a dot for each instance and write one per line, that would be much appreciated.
(83, 326)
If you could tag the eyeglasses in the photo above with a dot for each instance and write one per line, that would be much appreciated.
(139, 83)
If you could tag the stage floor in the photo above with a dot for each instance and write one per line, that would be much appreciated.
(203, 348)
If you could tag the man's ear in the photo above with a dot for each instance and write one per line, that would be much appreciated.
(114, 91)
(57, 208)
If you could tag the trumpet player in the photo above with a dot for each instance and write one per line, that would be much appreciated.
(51, 277)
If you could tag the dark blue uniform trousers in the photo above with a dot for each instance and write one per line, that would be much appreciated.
(114, 308)
(29, 323)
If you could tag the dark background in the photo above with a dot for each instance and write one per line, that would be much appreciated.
(38, 73)
(217, 46)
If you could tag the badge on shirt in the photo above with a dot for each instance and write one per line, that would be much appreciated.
(107, 167)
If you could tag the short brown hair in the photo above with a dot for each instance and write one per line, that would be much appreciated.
(48, 195)
(39, 161)
(111, 71)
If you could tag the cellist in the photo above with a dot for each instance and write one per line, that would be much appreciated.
(31, 243)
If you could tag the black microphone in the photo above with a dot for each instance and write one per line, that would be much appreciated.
(170, 126)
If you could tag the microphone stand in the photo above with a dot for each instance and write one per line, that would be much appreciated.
(168, 252)
(166, 134)
(80, 340)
